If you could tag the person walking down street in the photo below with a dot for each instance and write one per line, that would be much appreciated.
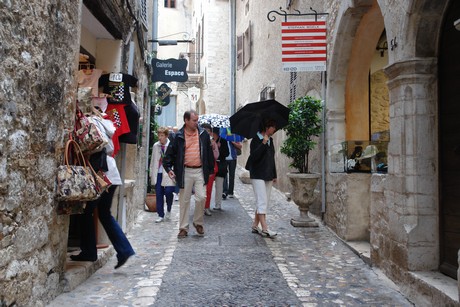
(164, 186)
(222, 168)
(103, 204)
(215, 151)
(262, 172)
(171, 133)
(229, 180)
(189, 161)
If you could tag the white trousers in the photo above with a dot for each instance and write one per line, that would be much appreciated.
(219, 184)
(262, 190)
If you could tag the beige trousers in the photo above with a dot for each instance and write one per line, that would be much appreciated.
(193, 180)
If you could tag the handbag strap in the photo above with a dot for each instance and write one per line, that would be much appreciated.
(76, 149)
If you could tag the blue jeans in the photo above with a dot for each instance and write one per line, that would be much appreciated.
(161, 193)
(113, 230)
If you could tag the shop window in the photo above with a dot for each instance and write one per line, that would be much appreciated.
(359, 156)
(170, 3)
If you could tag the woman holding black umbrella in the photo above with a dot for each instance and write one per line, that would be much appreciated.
(262, 170)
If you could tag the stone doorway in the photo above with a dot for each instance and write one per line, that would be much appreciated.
(449, 141)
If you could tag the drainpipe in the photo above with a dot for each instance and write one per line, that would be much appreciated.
(232, 56)
(323, 148)
(149, 105)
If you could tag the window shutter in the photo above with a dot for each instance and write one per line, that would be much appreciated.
(247, 46)
(239, 52)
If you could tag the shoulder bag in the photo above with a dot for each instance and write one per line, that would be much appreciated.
(75, 182)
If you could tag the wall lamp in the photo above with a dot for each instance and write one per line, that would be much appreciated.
(382, 48)
(457, 24)
(171, 42)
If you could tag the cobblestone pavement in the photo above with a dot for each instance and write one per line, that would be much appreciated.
(230, 266)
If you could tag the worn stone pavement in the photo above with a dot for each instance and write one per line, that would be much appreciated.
(230, 266)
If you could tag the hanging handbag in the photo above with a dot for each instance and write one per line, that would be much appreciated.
(75, 182)
(87, 134)
(102, 182)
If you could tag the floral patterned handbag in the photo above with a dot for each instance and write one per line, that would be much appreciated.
(75, 182)
(87, 133)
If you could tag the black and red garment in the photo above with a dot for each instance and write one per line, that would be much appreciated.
(117, 87)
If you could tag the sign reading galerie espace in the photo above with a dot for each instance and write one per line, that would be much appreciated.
(169, 70)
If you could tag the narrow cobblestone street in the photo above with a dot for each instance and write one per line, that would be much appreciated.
(230, 266)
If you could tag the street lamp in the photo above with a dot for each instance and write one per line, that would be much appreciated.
(171, 42)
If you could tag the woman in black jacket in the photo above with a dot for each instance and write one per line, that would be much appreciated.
(262, 172)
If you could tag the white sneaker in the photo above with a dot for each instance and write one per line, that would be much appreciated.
(230, 195)
(176, 196)
(168, 215)
(207, 212)
(268, 233)
(217, 207)
(159, 220)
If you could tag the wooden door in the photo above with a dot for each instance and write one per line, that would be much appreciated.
(449, 119)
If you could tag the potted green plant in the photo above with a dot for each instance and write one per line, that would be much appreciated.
(304, 126)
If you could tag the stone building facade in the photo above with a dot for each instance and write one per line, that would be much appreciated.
(391, 81)
(41, 43)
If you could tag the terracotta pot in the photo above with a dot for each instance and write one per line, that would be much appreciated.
(303, 194)
(151, 202)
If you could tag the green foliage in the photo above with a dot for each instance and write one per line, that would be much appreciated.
(304, 124)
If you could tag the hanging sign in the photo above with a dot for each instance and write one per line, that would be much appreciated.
(163, 93)
(193, 94)
(304, 45)
(169, 70)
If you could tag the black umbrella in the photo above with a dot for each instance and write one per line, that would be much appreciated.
(249, 119)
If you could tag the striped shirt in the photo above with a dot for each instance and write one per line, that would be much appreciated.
(192, 149)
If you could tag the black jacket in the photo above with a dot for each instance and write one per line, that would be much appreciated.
(262, 165)
(175, 154)
(221, 160)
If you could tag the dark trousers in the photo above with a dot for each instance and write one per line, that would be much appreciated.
(161, 193)
(113, 230)
(229, 181)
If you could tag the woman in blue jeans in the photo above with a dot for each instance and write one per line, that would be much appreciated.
(114, 232)
(164, 186)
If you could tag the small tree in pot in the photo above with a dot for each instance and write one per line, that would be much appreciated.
(304, 125)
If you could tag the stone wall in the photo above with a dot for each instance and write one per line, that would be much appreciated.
(379, 109)
(216, 70)
(39, 52)
(348, 205)
(380, 244)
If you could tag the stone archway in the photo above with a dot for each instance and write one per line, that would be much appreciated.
(358, 30)
(357, 83)
(341, 59)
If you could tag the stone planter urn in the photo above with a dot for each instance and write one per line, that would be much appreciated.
(303, 188)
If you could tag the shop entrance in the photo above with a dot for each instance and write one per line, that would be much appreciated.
(449, 141)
